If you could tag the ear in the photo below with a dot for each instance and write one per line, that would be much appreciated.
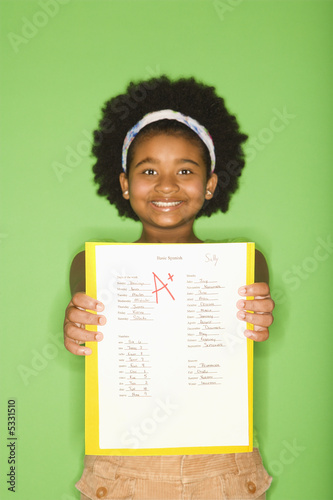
(211, 186)
(124, 185)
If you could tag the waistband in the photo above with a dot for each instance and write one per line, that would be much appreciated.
(186, 468)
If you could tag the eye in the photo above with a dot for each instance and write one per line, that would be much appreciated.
(149, 171)
(185, 171)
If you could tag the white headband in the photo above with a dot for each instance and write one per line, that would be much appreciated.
(169, 114)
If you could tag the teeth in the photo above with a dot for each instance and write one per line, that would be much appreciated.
(166, 204)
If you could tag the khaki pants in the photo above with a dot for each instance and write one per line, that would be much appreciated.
(239, 476)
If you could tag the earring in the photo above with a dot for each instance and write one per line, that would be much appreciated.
(125, 192)
(209, 192)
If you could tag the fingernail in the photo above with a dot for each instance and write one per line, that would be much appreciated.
(242, 291)
(99, 306)
(248, 334)
(241, 314)
(102, 320)
(241, 304)
(99, 336)
(86, 351)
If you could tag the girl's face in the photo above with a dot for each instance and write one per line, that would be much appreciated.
(167, 183)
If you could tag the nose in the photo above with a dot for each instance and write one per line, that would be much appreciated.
(167, 183)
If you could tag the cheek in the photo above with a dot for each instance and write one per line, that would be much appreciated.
(198, 189)
(138, 195)
(136, 188)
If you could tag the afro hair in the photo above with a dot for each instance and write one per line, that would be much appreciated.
(187, 96)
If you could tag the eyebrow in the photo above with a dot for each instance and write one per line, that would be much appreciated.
(153, 161)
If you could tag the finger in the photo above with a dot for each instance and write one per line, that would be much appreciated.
(257, 305)
(74, 332)
(84, 301)
(75, 315)
(77, 349)
(256, 289)
(263, 320)
(258, 334)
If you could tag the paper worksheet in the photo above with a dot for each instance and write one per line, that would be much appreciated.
(173, 374)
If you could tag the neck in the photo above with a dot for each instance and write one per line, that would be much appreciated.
(168, 236)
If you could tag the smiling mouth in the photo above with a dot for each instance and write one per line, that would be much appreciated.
(166, 204)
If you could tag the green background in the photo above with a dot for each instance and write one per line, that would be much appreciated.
(264, 57)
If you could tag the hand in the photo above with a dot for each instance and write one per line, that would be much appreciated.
(262, 305)
(76, 317)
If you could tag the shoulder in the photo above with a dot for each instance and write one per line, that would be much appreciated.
(260, 256)
(77, 273)
(261, 268)
(79, 259)
(77, 270)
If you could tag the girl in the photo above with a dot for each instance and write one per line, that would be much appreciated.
(167, 153)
